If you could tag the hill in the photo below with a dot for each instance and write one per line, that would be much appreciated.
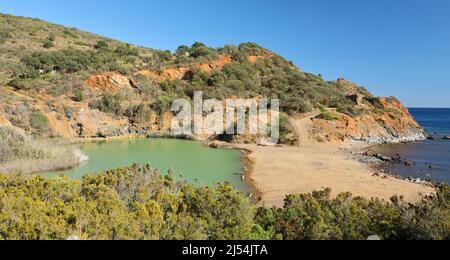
(59, 81)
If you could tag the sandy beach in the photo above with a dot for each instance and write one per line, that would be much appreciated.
(280, 171)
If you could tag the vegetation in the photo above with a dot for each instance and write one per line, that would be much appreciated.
(108, 103)
(39, 122)
(78, 95)
(138, 203)
(139, 113)
(15, 144)
(19, 153)
(328, 115)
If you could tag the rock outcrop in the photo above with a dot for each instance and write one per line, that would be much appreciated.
(178, 73)
(390, 123)
(111, 82)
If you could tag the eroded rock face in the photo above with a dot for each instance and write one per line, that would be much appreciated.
(111, 82)
(391, 123)
(178, 73)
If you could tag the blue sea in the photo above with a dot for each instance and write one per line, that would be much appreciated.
(431, 157)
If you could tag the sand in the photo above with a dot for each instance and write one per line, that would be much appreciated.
(280, 171)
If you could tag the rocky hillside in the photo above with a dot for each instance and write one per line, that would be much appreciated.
(61, 82)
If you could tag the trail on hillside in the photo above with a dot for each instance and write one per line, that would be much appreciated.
(302, 127)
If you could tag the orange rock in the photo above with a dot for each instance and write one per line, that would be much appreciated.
(110, 81)
(178, 73)
(4, 121)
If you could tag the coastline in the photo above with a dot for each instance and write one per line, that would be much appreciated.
(280, 171)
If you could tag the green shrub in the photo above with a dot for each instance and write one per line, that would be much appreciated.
(49, 43)
(39, 122)
(139, 203)
(127, 50)
(162, 105)
(139, 113)
(317, 217)
(4, 36)
(102, 46)
(109, 103)
(78, 95)
(327, 115)
(130, 203)
(200, 50)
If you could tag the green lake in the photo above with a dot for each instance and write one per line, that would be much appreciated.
(196, 162)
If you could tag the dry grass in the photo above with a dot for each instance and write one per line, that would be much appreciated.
(21, 154)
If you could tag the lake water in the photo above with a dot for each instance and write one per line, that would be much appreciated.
(196, 162)
(432, 157)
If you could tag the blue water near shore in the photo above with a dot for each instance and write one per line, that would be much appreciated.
(431, 157)
(435, 120)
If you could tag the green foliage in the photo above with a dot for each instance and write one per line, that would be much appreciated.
(327, 115)
(127, 50)
(287, 132)
(163, 104)
(78, 95)
(69, 60)
(49, 42)
(317, 217)
(101, 46)
(164, 56)
(108, 103)
(129, 203)
(200, 50)
(139, 113)
(139, 203)
(4, 35)
(39, 122)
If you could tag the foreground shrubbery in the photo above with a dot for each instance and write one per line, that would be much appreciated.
(138, 203)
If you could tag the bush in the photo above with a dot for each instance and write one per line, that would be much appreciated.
(78, 95)
(39, 122)
(327, 115)
(317, 217)
(127, 50)
(49, 43)
(200, 50)
(4, 36)
(139, 203)
(101, 46)
(69, 60)
(139, 113)
(122, 204)
(108, 103)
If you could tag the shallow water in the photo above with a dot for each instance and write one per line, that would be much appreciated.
(196, 162)
(431, 157)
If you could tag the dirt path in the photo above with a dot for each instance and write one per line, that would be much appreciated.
(302, 127)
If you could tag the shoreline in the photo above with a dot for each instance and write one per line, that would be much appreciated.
(349, 176)
(325, 166)
(382, 162)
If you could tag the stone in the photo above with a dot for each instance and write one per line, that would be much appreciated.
(73, 238)
(374, 238)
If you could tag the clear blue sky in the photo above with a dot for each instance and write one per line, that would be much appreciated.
(392, 47)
